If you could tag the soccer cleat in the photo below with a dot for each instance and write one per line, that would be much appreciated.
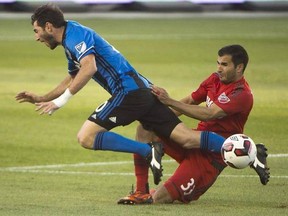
(260, 164)
(136, 198)
(154, 160)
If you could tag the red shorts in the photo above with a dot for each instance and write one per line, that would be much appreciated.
(197, 172)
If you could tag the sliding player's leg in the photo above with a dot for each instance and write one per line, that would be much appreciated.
(194, 176)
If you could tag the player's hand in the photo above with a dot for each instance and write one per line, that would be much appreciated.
(27, 97)
(161, 94)
(46, 108)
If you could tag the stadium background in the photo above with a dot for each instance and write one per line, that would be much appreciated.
(150, 5)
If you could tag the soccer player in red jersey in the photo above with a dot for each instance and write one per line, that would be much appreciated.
(229, 101)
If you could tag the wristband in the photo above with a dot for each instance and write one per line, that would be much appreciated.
(63, 99)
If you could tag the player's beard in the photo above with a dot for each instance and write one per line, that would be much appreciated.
(50, 41)
(228, 77)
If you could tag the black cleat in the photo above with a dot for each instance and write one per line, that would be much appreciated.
(154, 161)
(260, 164)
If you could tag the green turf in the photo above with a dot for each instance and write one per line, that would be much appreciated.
(174, 53)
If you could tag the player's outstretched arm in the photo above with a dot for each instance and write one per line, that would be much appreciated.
(26, 96)
(87, 70)
(44, 103)
(188, 108)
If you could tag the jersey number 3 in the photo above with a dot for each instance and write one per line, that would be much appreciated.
(188, 189)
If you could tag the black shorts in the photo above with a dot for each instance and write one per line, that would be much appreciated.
(141, 105)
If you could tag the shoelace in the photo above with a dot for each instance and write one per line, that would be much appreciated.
(132, 189)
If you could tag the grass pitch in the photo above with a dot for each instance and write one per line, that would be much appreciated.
(43, 171)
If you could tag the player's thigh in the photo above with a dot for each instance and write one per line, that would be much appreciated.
(145, 136)
(122, 109)
(181, 185)
(159, 119)
(186, 137)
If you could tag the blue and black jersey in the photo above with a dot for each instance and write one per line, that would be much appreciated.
(114, 73)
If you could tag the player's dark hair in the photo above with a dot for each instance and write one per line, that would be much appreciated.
(48, 13)
(238, 53)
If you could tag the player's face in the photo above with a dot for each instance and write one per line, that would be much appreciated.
(44, 36)
(226, 69)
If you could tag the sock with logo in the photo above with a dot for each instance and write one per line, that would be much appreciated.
(114, 142)
(211, 141)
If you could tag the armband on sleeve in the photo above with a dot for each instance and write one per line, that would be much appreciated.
(63, 99)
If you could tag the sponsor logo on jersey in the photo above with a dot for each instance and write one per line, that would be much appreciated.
(113, 119)
(223, 98)
(209, 102)
(81, 47)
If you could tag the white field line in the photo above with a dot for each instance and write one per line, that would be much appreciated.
(123, 174)
(277, 155)
(109, 163)
(94, 164)
(51, 169)
(124, 37)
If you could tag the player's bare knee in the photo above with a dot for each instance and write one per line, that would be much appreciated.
(84, 140)
(161, 198)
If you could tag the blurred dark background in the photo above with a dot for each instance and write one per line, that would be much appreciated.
(149, 5)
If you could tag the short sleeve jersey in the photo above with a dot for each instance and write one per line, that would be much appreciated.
(235, 99)
(114, 73)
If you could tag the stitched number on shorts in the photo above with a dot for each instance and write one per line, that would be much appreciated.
(100, 107)
(189, 188)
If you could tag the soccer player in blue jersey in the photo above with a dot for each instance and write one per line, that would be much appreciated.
(91, 57)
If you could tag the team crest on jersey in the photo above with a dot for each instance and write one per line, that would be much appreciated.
(223, 98)
(81, 47)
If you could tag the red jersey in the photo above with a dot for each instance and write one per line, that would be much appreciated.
(235, 99)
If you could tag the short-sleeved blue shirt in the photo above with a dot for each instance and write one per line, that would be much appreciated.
(114, 73)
